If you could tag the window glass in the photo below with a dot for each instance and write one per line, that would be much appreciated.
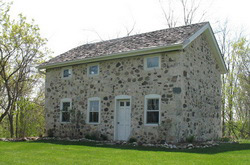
(94, 111)
(152, 117)
(152, 62)
(93, 70)
(94, 106)
(65, 112)
(152, 111)
(66, 106)
(93, 117)
(121, 103)
(127, 103)
(66, 73)
(153, 104)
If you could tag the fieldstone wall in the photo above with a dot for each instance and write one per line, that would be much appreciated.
(188, 82)
(201, 92)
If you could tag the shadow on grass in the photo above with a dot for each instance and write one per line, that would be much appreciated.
(212, 150)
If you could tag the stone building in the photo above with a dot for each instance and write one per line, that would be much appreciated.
(158, 86)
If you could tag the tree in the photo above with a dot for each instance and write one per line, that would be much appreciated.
(21, 48)
(190, 10)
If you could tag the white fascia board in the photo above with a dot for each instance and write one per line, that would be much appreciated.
(208, 30)
(195, 35)
(145, 51)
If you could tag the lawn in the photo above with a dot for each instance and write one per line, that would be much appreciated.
(63, 152)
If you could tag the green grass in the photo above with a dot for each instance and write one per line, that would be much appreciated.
(62, 152)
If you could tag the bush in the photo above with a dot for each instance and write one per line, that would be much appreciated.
(190, 139)
(50, 133)
(96, 136)
(104, 137)
(132, 140)
(226, 139)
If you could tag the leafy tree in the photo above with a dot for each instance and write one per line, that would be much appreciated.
(21, 48)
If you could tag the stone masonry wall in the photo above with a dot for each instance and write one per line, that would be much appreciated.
(117, 77)
(201, 92)
(188, 82)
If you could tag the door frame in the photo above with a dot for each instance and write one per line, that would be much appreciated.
(117, 98)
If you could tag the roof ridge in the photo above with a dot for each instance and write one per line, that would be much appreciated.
(152, 39)
(142, 33)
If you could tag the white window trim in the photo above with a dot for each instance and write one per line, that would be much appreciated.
(151, 96)
(99, 118)
(94, 64)
(145, 62)
(70, 71)
(61, 107)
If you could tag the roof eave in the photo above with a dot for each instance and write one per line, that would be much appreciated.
(208, 30)
(146, 51)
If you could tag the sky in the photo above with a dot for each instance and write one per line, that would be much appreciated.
(70, 23)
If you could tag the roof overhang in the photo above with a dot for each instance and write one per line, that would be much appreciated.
(133, 53)
(206, 29)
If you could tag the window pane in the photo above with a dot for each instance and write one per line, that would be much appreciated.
(94, 117)
(127, 103)
(153, 104)
(153, 62)
(93, 69)
(65, 116)
(94, 106)
(121, 104)
(152, 117)
(66, 106)
(66, 73)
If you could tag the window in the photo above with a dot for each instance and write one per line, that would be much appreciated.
(152, 109)
(66, 73)
(152, 62)
(65, 110)
(93, 70)
(94, 110)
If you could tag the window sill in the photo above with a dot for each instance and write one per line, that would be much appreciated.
(65, 122)
(93, 75)
(152, 125)
(148, 69)
(93, 123)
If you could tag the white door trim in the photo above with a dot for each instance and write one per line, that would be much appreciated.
(117, 98)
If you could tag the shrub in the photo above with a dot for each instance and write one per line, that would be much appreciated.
(93, 136)
(190, 139)
(132, 140)
(50, 132)
(226, 139)
(104, 137)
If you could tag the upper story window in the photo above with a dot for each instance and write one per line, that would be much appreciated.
(66, 73)
(66, 105)
(152, 109)
(152, 62)
(94, 110)
(93, 70)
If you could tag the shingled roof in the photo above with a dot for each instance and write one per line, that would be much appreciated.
(159, 38)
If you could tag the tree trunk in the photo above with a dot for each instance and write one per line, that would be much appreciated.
(11, 125)
(17, 124)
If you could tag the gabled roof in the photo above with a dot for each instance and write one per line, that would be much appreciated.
(157, 41)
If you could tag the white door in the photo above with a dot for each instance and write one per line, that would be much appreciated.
(123, 119)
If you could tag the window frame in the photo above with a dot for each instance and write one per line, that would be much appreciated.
(70, 71)
(61, 108)
(151, 96)
(88, 111)
(88, 69)
(146, 64)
